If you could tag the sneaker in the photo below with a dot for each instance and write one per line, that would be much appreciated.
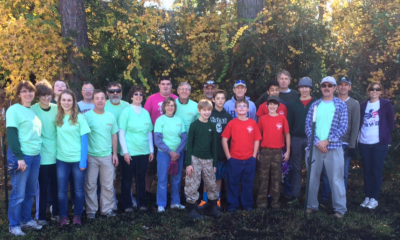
(32, 224)
(91, 215)
(219, 203)
(372, 204)
(177, 206)
(338, 215)
(77, 220)
(55, 218)
(64, 221)
(203, 205)
(115, 207)
(128, 210)
(16, 231)
(42, 222)
(143, 209)
(110, 214)
(161, 209)
(365, 203)
(134, 202)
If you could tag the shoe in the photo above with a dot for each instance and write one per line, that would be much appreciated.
(134, 202)
(110, 214)
(64, 221)
(372, 204)
(192, 213)
(32, 224)
(91, 215)
(128, 210)
(77, 220)
(115, 207)
(177, 206)
(143, 209)
(55, 218)
(338, 215)
(219, 203)
(310, 211)
(42, 222)
(293, 201)
(51, 209)
(16, 231)
(161, 209)
(203, 205)
(365, 203)
(214, 208)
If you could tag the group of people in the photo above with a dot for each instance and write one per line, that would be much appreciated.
(59, 142)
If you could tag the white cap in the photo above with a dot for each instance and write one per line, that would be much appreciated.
(329, 79)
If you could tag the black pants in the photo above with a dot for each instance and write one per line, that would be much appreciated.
(48, 173)
(137, 168)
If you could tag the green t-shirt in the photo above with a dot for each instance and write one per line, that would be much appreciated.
(171, 129)
(102, 126)
(136, 127)
(325, 113)
(188, 112)
(49, 133)
(29, 128)
(116, 110)
(69, 141)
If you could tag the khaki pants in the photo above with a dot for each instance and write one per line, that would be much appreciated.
(106, 169)
(192, 183)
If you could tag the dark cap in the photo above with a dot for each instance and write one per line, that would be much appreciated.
(344, 79)
(273, 98)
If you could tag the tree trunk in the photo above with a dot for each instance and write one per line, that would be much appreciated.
(321, 10)
(249, 9)
(73, 25)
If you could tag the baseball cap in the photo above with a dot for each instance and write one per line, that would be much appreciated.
(305, 82)
(209, 83)
(329, 79)
(273, 98)
(239, 83)
(344, 79)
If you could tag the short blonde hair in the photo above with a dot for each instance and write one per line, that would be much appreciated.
(204, 104)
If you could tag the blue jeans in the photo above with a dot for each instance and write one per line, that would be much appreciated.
(240, 171)
(325, 188)
(163, 160)
(63, 171)
(372, 157)
(24, 185)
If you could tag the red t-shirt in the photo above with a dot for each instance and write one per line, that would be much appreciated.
(305, 102)
(263, 110)
(243, 134)
(273, 130)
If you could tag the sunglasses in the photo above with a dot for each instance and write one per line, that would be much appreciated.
(138, 94)
(375, 89)
(209, 83)
(327, 85)
(240, 81)
(112, 91)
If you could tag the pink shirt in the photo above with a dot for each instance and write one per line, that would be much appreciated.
(154, 105)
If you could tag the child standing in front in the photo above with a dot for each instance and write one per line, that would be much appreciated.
(201, 160)
(275, 129)
(245, 140)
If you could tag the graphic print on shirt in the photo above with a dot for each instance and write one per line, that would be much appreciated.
(160, 107)
(218, 122)
(278, 126)
(281, 112)
(371, 118)
(250, 129)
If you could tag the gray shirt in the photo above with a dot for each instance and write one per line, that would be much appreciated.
(353, 112)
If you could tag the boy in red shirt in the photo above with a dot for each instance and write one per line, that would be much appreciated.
(272, 90)
(275, 129)
(245, 140)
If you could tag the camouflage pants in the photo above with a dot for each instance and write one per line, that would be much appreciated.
(270, 164)
(201, 167)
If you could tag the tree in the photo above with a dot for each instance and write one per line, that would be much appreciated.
(249, 9)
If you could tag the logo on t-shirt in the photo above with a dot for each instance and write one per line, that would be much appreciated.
(160, 107)
(109, 124)
(278, 126)
(281, 112)
(250, 129)
(371, 114)
(219, 122)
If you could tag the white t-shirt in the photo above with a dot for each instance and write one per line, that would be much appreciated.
(84, 107)
(370, 128)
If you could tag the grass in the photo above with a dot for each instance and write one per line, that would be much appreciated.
(358, 223)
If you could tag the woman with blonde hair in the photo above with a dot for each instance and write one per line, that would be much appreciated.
(72, 150)
(58, 87)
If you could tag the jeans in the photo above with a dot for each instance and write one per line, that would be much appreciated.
(47, 174)
(63, 171)
(240, 172)
(163, 160)
(137, 168)
(372, 157)
(296, 159)
(325, 188)
(24, 185)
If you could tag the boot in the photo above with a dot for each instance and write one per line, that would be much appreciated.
(192, 213)
(214, 208)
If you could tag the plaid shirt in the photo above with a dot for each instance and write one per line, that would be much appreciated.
(338, 127)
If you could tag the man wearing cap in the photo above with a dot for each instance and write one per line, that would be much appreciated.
(331, 126)
(239, 88)
(209, 88)
(297, 113)
(349, 139)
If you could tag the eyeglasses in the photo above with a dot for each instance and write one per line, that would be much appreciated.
(241, 106)
(329, 85)
(46, 96)
(113, 91)
(138, 94)
(88, 89)
(184, 89)
(27, 91)
(375, 89)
